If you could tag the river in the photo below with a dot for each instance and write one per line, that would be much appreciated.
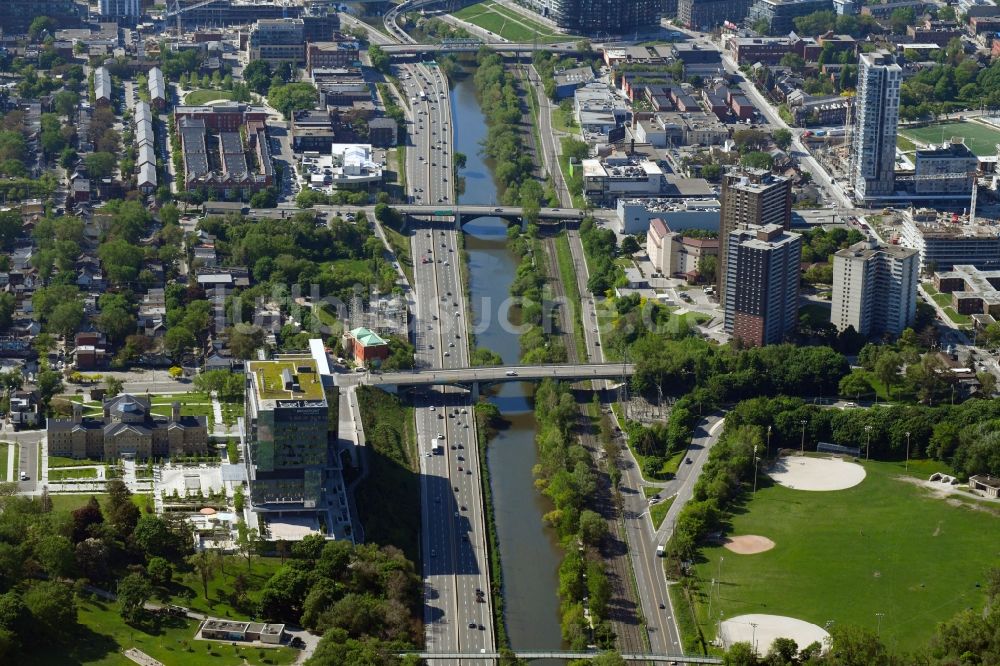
(529, 552)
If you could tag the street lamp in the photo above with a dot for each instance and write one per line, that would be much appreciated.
(753, 640)
(907, 450)
(755, 470)
(803, 445)
(767, 453)
(868, 440)
(878, 628)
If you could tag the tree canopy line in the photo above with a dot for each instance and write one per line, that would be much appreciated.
(566, 475)
(538, 344)
(504, 144)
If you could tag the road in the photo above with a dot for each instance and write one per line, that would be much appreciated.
(453, 542)
(453, 534)
(495, 374)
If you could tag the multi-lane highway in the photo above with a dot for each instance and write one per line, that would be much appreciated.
(456, 570)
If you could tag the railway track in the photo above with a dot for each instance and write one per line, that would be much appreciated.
(623, 608)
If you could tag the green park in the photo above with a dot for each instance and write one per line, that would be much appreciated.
(980, 138)
(879, 555)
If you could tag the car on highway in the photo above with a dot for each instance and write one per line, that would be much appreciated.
(511, 373)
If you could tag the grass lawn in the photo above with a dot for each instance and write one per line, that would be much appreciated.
(884, 546)
(65, 503)
(564, 122)
(905, 144)
(187, 409)
(980, 139)
(658, 512)
(58, 461)
(101, 636)
(192, 398)
(960, 319)
(197, 97)
(186, 589)
(508, 24)
(61, 474)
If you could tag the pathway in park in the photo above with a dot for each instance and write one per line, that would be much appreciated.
(11, 461)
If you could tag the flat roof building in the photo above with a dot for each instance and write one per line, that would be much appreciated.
(873, 154)
(973, 291)
(285, 434)
(762, 300)
(944, 241)
(875, 288)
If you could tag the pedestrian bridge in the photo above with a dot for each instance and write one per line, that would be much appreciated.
(555, 654)
(473, 378)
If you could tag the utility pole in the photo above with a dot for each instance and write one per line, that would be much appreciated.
(907, 450)
(803, 445)
(868, 441)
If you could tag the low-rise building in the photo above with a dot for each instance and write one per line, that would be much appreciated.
(675, 254)
(598, 110)
(944, 241)
(228, 630)
(102, 87)
(127, 427)
(277, 40)
(985, 485)
(973, 291)
(635, 215)
(606, 182)
(343, 52)
(347, 166)
(157, 88)
(383, 132)
(569, 80)
(367, 348)
(949, 170)
(709, 14)
(932, 31)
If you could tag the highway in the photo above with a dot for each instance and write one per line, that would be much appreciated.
(453, 532)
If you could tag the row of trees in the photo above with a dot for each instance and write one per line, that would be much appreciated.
(538, 345)
(504, 143)
(566, 475)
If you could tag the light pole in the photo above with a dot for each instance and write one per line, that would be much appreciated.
(767, 453)
(803, 445)
(868, 441)
(753, 640)
(754, 470)
(878, 626)
(907, 451)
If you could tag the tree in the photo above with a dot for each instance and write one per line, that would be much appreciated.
(782, 138)
(901, 18)
(855, 646)
(247, 542)
(178, 341)
(66, 318)
(133, 593)
(855, 385)
(83, 518)
(707, 267)
(100, 165)
(379, 58)
(630, 245)
(292, 97)
(987, 383)
(593, 528)
(757, 160)
(55, 554)
(887, 370)
(52, 607)
(40, 26)
(49, 384)
(121, 260)
(153, 537)
(159, 571)
(175, 372)
(245, 339)
(113, 385)
(204, 564)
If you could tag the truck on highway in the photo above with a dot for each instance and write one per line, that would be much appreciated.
(437, 448)
(660, 551)
(423, 96)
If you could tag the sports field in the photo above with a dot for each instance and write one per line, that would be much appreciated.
(883, 546)
(981, 139)
(509, 24)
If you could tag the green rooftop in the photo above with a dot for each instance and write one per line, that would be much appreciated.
(270, 380)
(367, 338)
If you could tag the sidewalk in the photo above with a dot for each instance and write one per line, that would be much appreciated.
(11, 461)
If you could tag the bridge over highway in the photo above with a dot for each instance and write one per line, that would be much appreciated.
(528, 656)
(472, 46)
(468, 211)
(474, 378)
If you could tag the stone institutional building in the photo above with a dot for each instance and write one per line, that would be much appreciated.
(127, 427)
